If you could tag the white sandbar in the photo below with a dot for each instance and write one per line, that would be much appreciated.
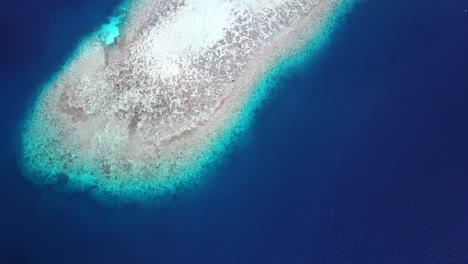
(137, 114)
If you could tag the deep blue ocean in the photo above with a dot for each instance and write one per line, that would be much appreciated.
(359, 157)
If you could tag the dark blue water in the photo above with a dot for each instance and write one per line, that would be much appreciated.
(359, 157)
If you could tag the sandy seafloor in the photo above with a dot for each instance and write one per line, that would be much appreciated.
(359, 156)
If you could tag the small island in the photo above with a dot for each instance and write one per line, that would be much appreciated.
(141, 112)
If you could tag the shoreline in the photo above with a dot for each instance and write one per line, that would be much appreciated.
(232, 119)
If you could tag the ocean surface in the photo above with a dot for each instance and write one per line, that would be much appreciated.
(359, 156)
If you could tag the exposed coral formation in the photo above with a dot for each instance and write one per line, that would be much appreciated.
(134, 118)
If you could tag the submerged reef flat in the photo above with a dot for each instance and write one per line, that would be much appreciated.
(143, 109)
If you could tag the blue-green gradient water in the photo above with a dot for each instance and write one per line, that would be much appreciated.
(359, 156)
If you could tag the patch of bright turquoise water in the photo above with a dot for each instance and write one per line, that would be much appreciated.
(109, 32)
